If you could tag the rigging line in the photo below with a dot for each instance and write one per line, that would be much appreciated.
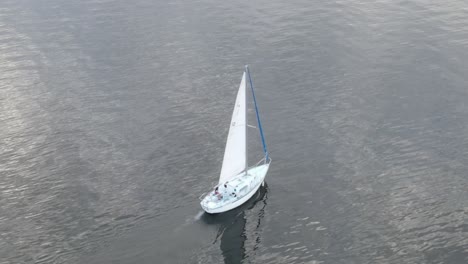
(258, 116)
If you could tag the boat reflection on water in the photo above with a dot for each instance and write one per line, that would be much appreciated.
(239, 226)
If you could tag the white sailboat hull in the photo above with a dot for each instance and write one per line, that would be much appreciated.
(251, 181)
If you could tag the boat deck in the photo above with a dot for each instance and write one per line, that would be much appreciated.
(236, 189)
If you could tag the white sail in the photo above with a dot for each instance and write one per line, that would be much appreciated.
(234, 160)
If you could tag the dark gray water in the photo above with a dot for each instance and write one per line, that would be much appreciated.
(114, 114)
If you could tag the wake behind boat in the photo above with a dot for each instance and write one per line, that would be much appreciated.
(238, 182)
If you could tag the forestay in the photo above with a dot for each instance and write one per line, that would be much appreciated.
(234, 160)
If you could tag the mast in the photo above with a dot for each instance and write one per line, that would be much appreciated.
(246, 141)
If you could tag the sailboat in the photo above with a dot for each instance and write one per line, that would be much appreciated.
(237, 181)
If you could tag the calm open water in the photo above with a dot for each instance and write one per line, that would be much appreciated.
(114, 116)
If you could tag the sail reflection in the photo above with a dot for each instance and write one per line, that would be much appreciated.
(232, 225)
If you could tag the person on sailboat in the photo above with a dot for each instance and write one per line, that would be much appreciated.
(229, 190)
(226, 188)
(217, 193)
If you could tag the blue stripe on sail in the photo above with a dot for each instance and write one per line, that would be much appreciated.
(258, 116)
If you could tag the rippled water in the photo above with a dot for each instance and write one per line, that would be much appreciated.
(113, 119)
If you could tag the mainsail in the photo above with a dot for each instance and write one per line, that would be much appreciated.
(234, 160)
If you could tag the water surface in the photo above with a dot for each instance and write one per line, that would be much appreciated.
(114, 115)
